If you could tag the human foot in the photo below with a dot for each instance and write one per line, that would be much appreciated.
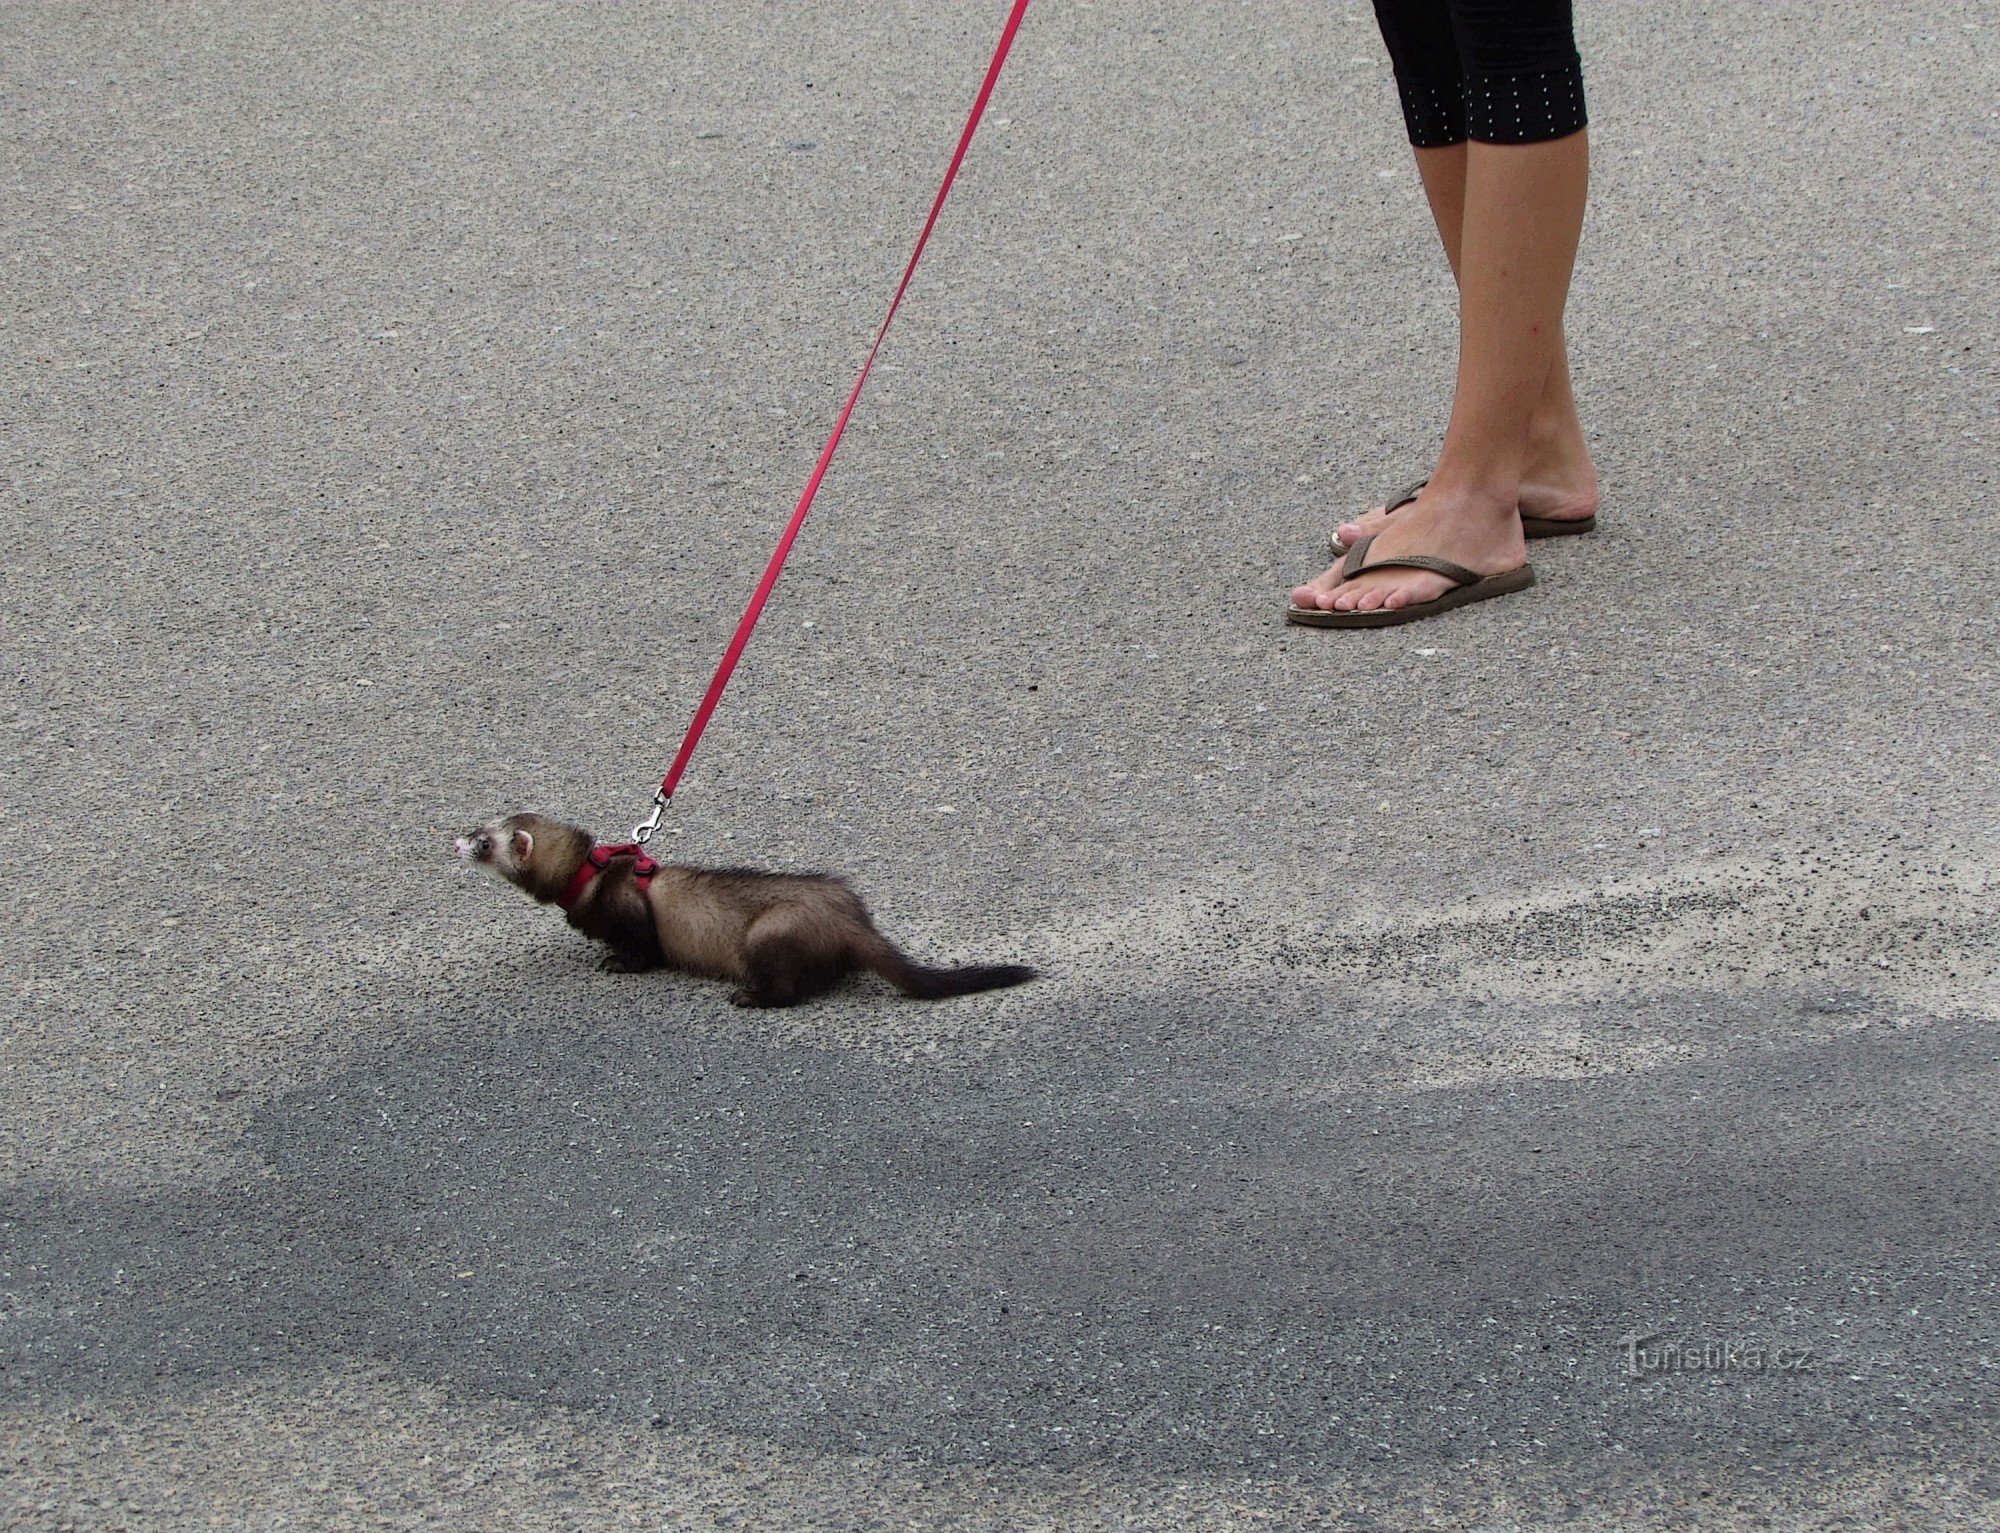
(1558, 517)
(1558, 485)
(1479, 532)
(1549, 509)
(1467, 586)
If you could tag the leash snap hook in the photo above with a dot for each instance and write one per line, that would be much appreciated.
(643, 832)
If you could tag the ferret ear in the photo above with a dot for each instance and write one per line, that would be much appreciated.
(522, 845)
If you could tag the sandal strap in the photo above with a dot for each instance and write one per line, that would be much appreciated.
(1404, 496)
(1390, 503)
(1356, 562)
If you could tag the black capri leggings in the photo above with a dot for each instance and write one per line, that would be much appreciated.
(1500, 71)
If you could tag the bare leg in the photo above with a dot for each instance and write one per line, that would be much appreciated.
(1443, 173)
(1523, 214)
(1559, 481)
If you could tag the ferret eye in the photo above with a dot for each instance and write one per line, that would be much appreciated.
(484, 844)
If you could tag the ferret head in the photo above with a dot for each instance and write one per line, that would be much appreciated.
(530, 851)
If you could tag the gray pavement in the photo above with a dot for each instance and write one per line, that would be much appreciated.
(396, 403)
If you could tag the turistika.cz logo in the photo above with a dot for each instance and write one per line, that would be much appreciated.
(1648, 1354)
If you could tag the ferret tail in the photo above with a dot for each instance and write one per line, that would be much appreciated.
(930, 984)
(935, 984)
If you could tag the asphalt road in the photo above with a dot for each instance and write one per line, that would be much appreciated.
(1531, 1070)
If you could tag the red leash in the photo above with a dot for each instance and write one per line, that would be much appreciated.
(748, 622)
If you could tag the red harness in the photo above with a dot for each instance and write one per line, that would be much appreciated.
(601, 857)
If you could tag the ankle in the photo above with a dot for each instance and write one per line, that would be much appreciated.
(1555, 439)
(1481, 497)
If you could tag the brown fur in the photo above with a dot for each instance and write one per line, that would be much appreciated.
(782, 937)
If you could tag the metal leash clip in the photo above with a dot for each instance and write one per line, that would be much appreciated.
(643, 832)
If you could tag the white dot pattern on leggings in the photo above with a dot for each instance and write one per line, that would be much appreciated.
(1434, 112)
(1525, 108)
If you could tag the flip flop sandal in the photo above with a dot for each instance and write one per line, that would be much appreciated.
(1470, 586)
(1532, 526)
(1394, 502)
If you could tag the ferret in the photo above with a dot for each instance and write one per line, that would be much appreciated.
(783, 937)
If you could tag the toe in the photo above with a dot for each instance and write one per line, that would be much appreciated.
(1317, 594)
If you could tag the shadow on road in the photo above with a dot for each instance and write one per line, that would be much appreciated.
(1150, 1255)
